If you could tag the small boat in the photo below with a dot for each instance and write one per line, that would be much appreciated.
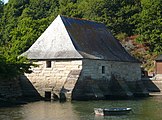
(111, 111)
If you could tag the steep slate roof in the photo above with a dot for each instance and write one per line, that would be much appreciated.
(71, 38)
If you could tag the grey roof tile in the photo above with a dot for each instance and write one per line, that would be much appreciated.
(71, 38)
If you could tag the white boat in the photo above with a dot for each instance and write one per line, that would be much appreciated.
(111, 111)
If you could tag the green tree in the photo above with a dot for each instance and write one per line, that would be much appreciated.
(1, 8)
(69, 8)
(1, 25)
(149, 25)
(11, 65)
(116, 14)
(23, 21)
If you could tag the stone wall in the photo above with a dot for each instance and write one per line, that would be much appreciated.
(153, 86)
(80, 79)
(158, 77)
(125, 70)
(120, 79)
(10, 88)
(50, 79)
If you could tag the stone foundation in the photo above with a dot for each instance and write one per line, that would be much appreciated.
(10, 88)
(153, 86)
(105, 89)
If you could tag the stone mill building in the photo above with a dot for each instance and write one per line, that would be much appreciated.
(78, 60)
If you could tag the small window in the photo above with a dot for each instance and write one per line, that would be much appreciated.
(48, 64)
(103, 69)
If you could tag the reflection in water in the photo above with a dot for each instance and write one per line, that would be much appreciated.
(146, 109)
(11, 114)
(49, 111)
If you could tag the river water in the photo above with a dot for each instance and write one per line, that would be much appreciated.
(143, 109)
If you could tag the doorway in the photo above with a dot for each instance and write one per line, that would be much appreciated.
(47, 95)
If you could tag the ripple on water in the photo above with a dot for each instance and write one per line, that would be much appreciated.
(143, 109)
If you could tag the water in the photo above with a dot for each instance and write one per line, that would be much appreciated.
(143, 109)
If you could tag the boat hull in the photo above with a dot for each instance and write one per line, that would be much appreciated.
(111, 111)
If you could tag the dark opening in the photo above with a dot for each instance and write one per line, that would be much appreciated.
(103, 69)
(48, 64)
(47, 95)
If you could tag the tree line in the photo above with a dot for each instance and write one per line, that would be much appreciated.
(23, 21)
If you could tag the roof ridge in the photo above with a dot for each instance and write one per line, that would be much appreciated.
(82, 19)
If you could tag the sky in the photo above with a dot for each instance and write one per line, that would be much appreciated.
(5, 1)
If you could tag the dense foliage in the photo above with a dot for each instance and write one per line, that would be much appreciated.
(23, 21)
(149, 25)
